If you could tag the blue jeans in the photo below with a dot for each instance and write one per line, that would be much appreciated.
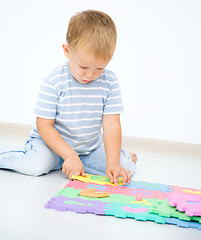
(36, 158)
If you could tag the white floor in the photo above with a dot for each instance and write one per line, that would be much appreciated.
(22, 215)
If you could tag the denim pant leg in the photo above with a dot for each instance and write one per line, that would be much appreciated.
(34, 158)
(96, 162)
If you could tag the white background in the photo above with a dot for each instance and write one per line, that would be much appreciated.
(157, 60)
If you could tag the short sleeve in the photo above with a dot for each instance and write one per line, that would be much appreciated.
(113, 103)
(46, 104)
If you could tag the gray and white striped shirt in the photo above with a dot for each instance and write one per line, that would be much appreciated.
(78, 108)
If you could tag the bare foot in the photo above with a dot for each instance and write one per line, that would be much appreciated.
(133, 157)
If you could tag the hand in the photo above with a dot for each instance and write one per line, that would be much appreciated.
(73, 166)
(113, 172)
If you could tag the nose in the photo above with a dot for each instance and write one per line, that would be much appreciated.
(90, 75)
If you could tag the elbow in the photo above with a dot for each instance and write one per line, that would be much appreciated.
(42, 124)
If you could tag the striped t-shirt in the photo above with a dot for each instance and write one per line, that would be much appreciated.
(78, 108)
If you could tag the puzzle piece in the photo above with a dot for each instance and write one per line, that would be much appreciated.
(97, 179)
(91, 192)
(191, 205)
(150, 186)
(79, 205)
(187, 191)
(139, 198)
(82, 179)
(181, 223)
(121, 210)
(162, 208)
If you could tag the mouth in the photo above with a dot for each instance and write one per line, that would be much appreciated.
(86, 81)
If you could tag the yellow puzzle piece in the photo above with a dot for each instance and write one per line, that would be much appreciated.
(96, 179)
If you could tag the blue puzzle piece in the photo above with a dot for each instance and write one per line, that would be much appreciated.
(182, 223)
(150, 186)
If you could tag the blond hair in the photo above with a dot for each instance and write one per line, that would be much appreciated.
(94, 30)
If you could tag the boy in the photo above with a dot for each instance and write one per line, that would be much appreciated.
(76, 101)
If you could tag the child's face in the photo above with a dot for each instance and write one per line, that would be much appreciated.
(84, 66)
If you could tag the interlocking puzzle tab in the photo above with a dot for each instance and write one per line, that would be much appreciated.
(138, 200)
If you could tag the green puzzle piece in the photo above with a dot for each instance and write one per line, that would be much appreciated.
(100, 178)
(163, 208)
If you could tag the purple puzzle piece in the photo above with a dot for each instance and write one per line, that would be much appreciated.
(191, 205)
(78, 205)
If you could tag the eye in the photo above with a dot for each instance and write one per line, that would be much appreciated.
(83, 67)
(100, 68)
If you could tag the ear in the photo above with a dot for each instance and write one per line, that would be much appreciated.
(66, 49)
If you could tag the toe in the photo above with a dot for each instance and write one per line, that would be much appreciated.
(133, 157)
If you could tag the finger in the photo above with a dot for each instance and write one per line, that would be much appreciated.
(83, 173)
(129, 176)
(77, 173)
(116, 178)
(109, 175)
(70, 176)
(125, 177)
(73, 172)
(65, 172)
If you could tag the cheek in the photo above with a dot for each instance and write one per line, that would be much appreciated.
(80, 72)
(98, 73)
(77, 71)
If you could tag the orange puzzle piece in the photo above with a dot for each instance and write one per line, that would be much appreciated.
(91, 192)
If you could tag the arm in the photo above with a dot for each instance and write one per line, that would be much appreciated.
(112, 143)
(72, 163)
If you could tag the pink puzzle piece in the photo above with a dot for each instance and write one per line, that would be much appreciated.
(138, 198)
(135, 210)
(187, 191)
(143, 193)
(191, 205)
(76, 184)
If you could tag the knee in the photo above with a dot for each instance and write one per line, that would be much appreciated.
(37, 170)
(132, 169)
(126, 162)
(39, 166)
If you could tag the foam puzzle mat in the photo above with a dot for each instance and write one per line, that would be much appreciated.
(139, 200)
